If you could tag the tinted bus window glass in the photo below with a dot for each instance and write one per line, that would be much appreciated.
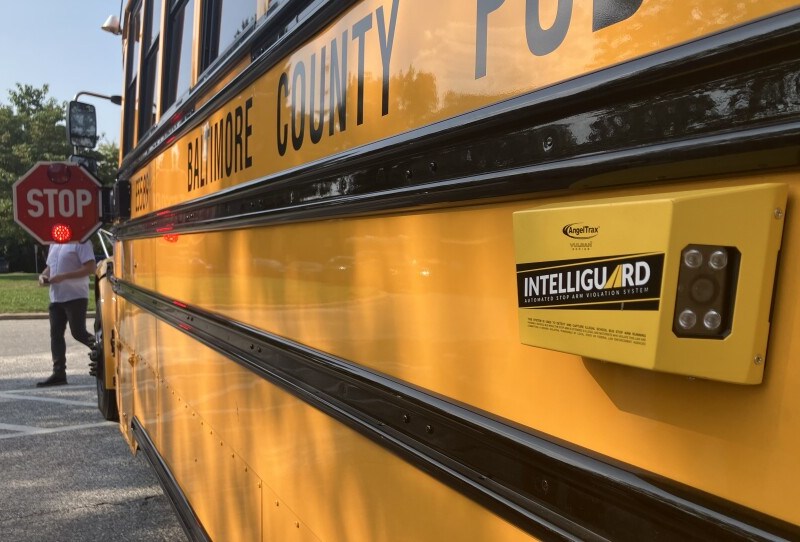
(155, 18)
(148, 89)
(223, 22)
(132, 69)
(178, 74)
(236, 17)
(134, 43)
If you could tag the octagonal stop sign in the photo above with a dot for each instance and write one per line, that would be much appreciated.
(57, 202)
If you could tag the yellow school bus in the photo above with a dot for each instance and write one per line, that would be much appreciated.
(485, 270)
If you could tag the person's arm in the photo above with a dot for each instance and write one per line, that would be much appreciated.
(44, 277)
(87, 269)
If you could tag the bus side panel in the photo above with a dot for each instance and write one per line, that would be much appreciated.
(227, 431)
(430, 298)
(223, 489)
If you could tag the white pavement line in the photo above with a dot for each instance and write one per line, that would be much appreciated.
(27, 431)
(18, 428)
(17, 395)
(65, 387)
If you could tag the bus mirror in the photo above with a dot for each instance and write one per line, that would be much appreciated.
(88, 163)
(82, 124)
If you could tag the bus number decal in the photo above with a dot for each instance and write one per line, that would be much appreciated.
(141, 192)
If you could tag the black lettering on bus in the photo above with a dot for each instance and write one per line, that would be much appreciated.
(283, 130)
(360, 30)
(203, 149)
(316, 129)
(216, 151)
(238, 160)
(610, 12)
(338, 93)
(298, 94)
(208, 155)
(387, 44)
(540, 41)
(196, 170)
(485, 7)
(228, 144)
(189, 167)
(248, 131)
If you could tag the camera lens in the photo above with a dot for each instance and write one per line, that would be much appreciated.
(687, 319)
(718, 260)
(712, 320)
(703, 290)
(693, 258)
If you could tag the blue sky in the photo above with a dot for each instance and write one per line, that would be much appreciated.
(60, 43)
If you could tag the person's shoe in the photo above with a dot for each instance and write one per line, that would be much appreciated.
(55, 379)
(94, 355)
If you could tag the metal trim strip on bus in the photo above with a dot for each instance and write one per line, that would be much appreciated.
(439, 172)
(589, 88)
(540, 485)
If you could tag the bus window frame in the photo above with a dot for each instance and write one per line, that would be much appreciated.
(171, 96)
(132, 80)
(150, 72)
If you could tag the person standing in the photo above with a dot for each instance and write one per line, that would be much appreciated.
(67, 273)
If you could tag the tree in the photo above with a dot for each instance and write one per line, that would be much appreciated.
(107, 156)
(32, 129)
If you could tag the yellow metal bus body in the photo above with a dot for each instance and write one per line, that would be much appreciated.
(316, 327)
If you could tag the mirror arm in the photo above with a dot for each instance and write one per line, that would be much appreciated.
(114, 98)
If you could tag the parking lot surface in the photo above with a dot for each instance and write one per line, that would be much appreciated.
(65, 473)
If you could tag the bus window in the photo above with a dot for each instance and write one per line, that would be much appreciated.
(150, 64)
(132, 71)
(178, 72)
(224, 22)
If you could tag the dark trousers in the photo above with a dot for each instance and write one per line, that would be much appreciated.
(72, 313)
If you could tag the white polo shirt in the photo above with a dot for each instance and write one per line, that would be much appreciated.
(64, 259)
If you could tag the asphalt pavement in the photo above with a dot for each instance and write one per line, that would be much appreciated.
(65, 473)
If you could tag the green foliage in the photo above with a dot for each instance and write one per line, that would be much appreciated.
(32, 129)
(20, 292)
(107, 161)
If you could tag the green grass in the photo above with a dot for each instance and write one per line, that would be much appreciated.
(20, 292)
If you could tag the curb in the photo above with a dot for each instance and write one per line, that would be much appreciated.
(33, 316)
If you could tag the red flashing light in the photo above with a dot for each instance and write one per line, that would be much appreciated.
(61, 233)
(59, 173)
(171, 237)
